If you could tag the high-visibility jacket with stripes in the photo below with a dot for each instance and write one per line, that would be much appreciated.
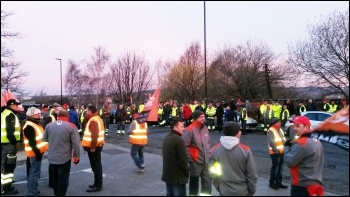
(82, 115)
(263, 109)
(325, 106)
(141, 106)
(244, 114)
(285, 114)
(160, 111)
(138, 135)
(174, 112)
(302, 108)
(86, 141)
(333, 108)
(39, 132)
(278, 139)
(53, 119)
(210, 112)
(17, 132)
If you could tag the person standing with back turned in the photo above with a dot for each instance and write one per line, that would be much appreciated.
(232, 165)
(62, 137)
(175, 164)
(197, 141)
(93, 141)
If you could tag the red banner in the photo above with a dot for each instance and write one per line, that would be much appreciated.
(7, 95)
(150, 111)
(335, 129)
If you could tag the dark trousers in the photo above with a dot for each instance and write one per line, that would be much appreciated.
(298, 191)
(244, 126)
(106, 122)
(175, 189)
(187, 122)
(219, 123)
(8, 164)
(60, 177)
(96, 166)
(276, 169)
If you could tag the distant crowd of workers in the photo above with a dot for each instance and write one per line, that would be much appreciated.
(217, 113)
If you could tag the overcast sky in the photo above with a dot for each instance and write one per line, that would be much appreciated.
(159, 30)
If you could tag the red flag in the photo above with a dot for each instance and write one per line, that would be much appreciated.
(150, 111)
(7, 95)
(335, 129)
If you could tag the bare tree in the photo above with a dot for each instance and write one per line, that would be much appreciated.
(184, 79)
(12, 77)
(323, 59)
(95, 72)
(129, 76)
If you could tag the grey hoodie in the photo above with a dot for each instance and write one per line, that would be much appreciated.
(238, 176)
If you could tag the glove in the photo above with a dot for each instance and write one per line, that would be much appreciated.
(76, 160)
(288, 143)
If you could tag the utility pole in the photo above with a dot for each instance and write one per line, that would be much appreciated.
(267, 73)
(205, 61)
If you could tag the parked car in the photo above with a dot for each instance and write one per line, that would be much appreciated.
(316, 118)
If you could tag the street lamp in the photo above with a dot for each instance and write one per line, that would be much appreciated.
(61, 77)
(205, 61)
(267, 73)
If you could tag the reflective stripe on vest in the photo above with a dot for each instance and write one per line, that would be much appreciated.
(53, 119)
(302, 108)
(86, 142)
(285, 114)
(39, 132)
(278, 139)
(139, 134)
(17, 132)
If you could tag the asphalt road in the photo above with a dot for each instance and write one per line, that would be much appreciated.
(335, 171)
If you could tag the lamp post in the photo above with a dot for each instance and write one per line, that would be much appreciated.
(267, 73)
(205, 60)
(61, 77)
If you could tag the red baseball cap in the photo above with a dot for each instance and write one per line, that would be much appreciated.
(301, 120)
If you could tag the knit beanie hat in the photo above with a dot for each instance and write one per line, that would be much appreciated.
(196, 114)
(231, 128)
(274, 121)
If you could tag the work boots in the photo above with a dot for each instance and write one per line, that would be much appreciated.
(273, 185)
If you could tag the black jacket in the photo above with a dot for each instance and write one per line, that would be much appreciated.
(175, 164)
(10, 125)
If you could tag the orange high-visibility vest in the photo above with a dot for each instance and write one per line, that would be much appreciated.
(138, 135)
(279, 139)
(86, 141)
(39, 131)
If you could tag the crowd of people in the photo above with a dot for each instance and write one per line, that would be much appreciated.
(189, 158)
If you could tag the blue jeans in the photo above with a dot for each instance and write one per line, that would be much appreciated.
(175, 189)
(60, 177)
(137, 154)
(33, 176)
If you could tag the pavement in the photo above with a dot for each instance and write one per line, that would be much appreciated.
(120, 176)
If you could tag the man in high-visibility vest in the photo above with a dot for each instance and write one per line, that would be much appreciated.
(244, 118)
(10, 135)
(34, 148)
(93, 141)
(268, 114)
(210, 112)
(285, 115)
(138, 140)
(326, 105)
(333, 107)
(276, 139)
